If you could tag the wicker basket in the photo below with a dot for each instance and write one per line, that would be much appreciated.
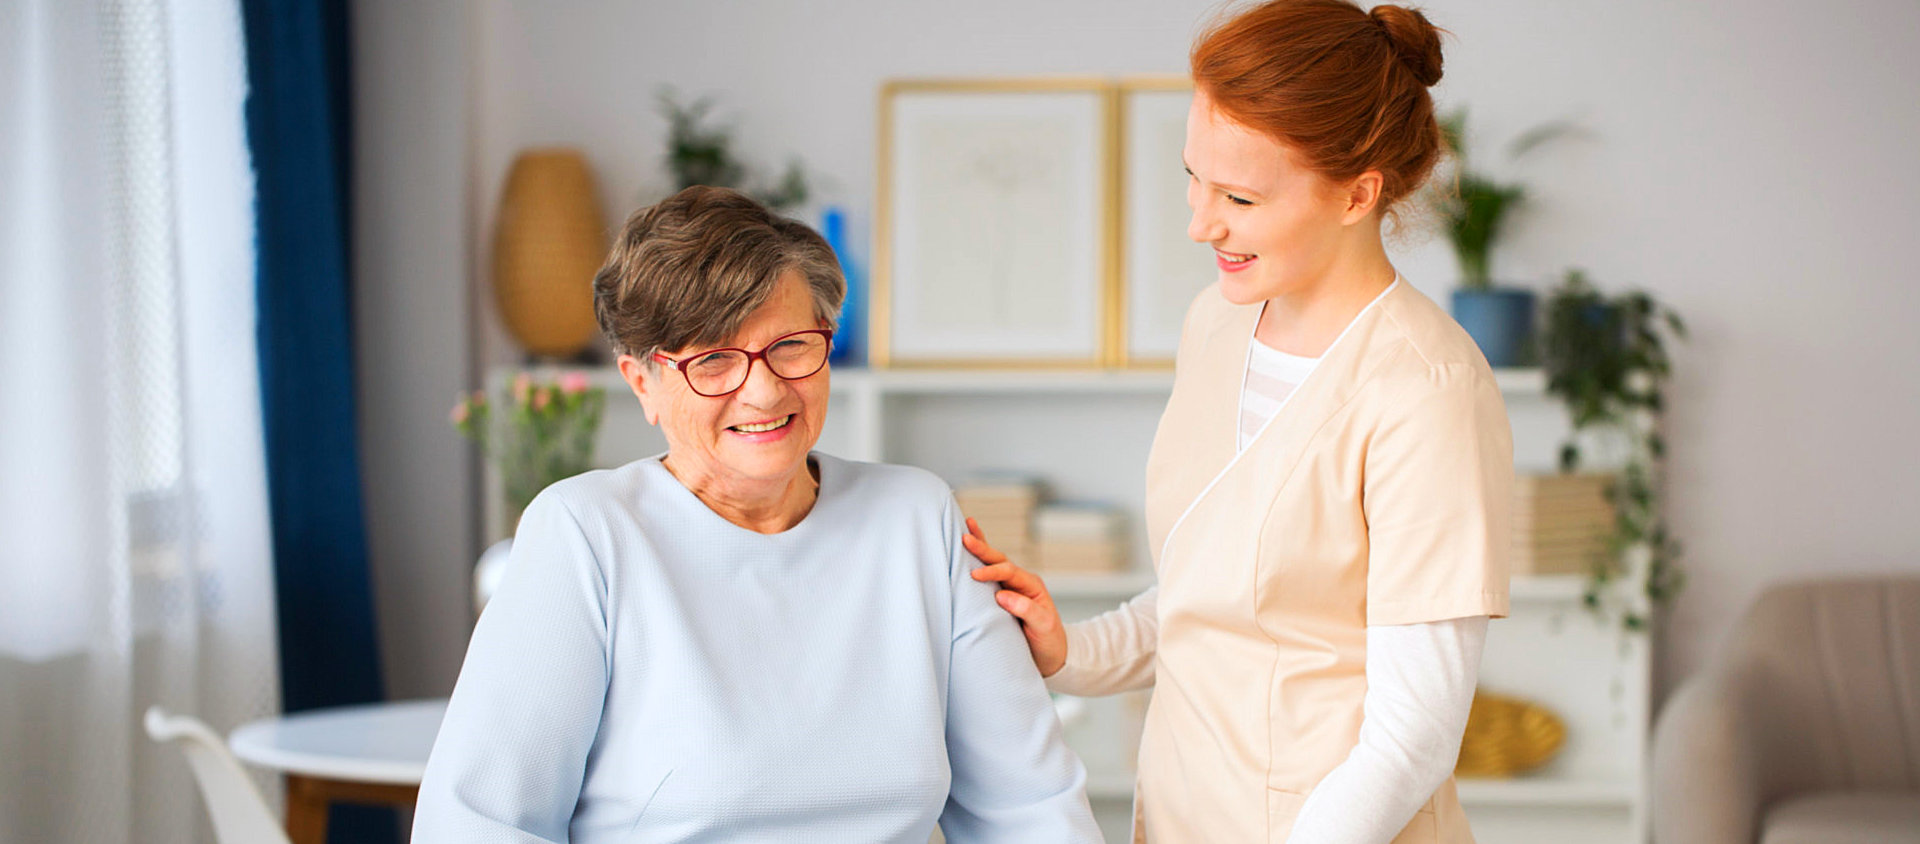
(549, 243)
(1506, 736)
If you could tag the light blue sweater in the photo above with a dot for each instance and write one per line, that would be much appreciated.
(650, 672)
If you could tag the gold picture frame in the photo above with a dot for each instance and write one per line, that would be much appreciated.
(1159, 270)
(1140, 282)
(962, 124)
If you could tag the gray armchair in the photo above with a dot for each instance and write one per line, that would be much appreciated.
(1807, 728)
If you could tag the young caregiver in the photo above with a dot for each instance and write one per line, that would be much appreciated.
(1329, 489)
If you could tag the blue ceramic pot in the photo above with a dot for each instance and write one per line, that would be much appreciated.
(1500, 319)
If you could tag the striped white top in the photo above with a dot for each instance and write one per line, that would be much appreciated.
(1272, 376)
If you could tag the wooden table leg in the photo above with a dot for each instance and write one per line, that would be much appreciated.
(306, 810)
(309, 799)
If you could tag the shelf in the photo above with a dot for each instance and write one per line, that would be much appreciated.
(1543, 791)
(1109, 786)
(1518, 382)
(1531, 381)
(1547, 792)
(1117, 587)
(1548, 588)
(1014, 381)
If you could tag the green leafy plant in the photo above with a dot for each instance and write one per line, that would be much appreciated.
(1476, 208)
(1606, 358)
(541, 432)
(699, 153)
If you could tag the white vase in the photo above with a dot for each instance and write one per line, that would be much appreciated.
(488, 572)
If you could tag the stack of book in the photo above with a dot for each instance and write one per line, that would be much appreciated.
(1561, 523)
(1077, 539)
(1003, 507)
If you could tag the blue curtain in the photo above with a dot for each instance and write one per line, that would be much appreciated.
(300, 130)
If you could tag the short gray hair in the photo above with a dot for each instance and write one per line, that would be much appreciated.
(689, 270)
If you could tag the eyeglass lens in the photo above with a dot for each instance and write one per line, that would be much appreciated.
(720, 372)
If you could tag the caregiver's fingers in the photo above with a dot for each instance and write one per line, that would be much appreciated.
(1038, 617)
(976, 543)
(1040, 622)
(1015, 578)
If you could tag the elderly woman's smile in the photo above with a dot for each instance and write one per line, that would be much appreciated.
(763, 431)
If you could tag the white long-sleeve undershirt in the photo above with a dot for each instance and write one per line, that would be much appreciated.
(1420, 682)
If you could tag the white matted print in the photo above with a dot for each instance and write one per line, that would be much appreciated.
(994, 225)
(1164, 269)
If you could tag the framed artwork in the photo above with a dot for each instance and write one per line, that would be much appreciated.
(994, 211)
(1161, 269)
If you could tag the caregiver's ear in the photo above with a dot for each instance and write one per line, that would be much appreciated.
(1363, 196)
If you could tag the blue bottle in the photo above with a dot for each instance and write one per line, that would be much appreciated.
(849, 342)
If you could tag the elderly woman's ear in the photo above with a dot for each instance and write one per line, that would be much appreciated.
(643, 380)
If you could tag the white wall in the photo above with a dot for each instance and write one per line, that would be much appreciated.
(412, 317)
(1751, 163)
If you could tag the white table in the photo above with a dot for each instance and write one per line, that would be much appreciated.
(371, 754)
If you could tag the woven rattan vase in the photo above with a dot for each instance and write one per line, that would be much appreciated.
(549, 242)
(1506, 736)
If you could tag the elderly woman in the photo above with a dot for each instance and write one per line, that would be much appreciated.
(743, 639)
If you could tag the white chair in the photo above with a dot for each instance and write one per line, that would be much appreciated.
(240, 815)
(488, 572)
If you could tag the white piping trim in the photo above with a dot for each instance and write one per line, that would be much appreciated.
(1168, 542)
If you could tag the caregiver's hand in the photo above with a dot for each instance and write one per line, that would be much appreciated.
(1024, 595)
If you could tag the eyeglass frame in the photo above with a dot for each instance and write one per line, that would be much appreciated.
(761, 356)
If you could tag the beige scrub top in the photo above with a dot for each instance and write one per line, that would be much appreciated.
(1380, 493)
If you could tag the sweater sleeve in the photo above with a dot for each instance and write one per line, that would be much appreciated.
(1420, 680)
(1014, 780)
(510, 757)
(1112, 652)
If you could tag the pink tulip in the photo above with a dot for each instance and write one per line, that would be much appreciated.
(574, 382)
(541, 398)
(522, 386)
(460, 413)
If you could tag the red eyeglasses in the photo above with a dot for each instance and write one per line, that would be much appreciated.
(718, 372)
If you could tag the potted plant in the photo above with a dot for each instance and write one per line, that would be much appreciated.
(1606, 358)
(538, 433)
(1474, 212)
(702, 154)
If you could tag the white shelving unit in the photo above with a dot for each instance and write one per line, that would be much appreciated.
(1088, 432)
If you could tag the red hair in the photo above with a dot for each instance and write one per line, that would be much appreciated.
(1344, 88)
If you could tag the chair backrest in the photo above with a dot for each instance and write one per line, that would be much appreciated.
(488, 572)
(1837, 666)
(240, 815)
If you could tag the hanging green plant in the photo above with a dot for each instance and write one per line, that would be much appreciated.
(1606, 358)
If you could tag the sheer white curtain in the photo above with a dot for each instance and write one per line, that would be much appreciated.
(135, 563)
